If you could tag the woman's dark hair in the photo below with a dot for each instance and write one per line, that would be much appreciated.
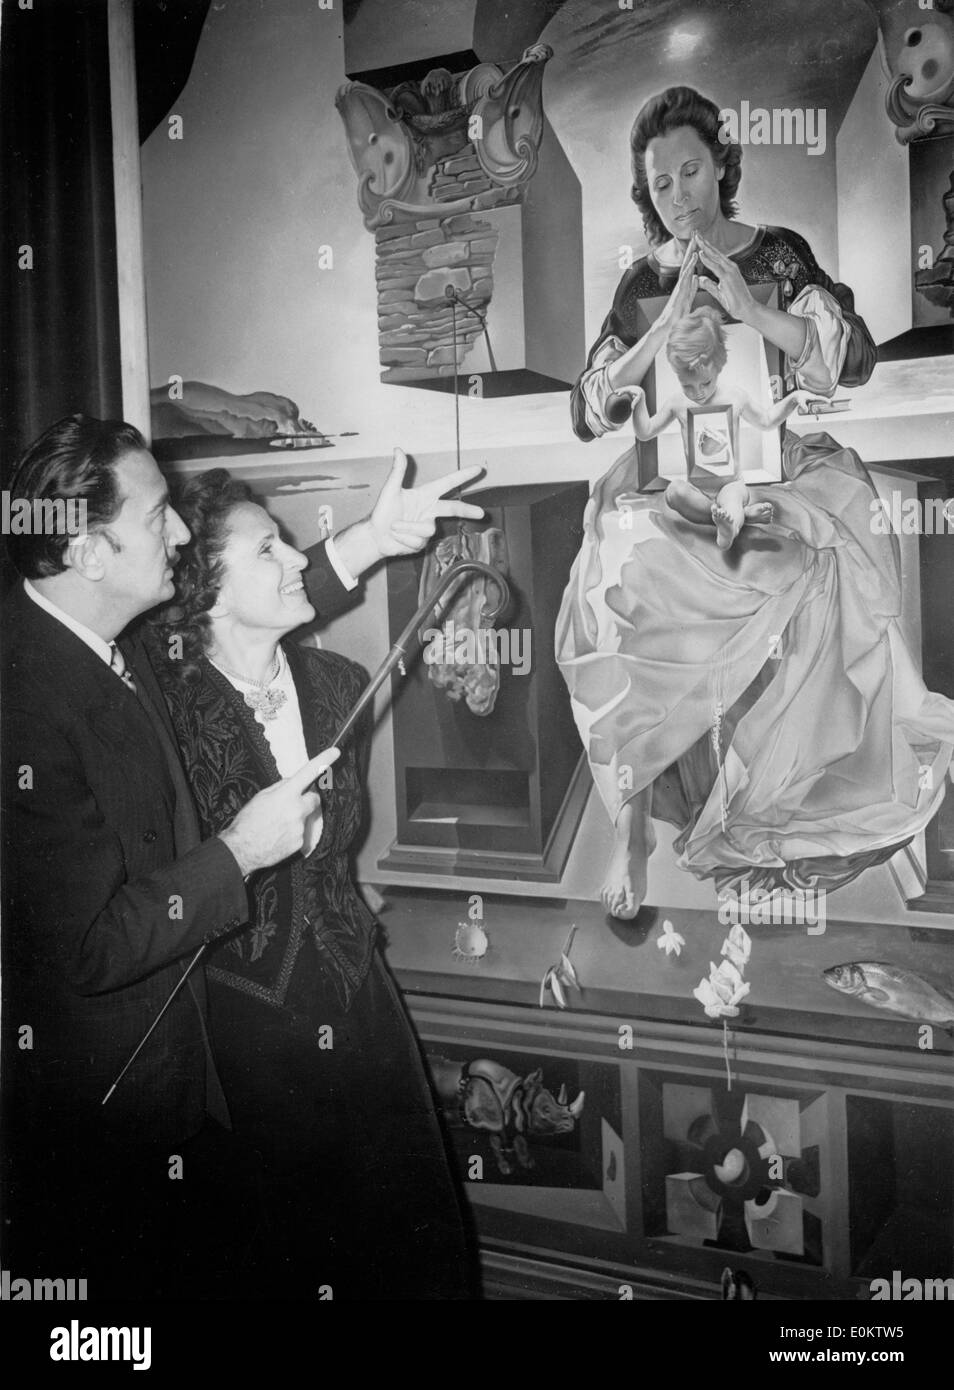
(205, 504)
(661, 115)
(74, 460)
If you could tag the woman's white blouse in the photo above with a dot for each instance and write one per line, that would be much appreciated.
(826, 342)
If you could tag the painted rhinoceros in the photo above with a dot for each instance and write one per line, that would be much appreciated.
(487, 1095)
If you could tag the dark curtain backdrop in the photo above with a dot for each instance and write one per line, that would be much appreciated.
(167, 35)
(59, 329)
(60, 325)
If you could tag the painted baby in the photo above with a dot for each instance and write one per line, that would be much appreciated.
(697, 353)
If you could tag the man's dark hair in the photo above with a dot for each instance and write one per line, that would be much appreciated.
(73, 459)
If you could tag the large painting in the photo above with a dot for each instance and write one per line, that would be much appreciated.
(655, 304)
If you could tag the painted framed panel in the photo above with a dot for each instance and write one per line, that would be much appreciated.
(709, 453)
(535, 1136)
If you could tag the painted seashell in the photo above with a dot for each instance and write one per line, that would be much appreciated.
(470, 941)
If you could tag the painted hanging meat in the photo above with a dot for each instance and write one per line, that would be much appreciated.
(461, 654)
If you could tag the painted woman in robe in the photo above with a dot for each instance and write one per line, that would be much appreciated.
(761, 699)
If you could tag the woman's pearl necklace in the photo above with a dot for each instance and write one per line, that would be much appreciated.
(261, 699)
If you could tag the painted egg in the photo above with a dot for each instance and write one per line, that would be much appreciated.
(731, 1167)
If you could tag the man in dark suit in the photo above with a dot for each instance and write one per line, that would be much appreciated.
(108, 891)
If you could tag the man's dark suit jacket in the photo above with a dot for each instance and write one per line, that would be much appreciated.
(107, 892)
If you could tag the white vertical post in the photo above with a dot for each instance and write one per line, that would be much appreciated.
(874, 209)
(133, 342)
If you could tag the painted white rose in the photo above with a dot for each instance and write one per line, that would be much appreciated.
(721, 993)
(737, 946)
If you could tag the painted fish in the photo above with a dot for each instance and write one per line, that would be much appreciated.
(893, 988)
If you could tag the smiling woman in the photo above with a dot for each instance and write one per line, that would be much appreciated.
(350, 1185)
(261, 596)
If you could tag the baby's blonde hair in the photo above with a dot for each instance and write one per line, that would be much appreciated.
(697, 341)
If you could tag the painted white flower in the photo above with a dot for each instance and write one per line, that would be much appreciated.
(670, 941)
(566, 972)
(720, 994)
(557, 983)
(738, 946)
(560, 978)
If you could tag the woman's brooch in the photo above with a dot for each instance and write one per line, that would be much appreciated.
(785, 271)
(267, 703)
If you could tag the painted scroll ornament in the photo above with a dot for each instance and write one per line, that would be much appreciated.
(396, 140)
(919, 100)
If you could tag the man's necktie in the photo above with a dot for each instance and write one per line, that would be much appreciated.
(117, 663)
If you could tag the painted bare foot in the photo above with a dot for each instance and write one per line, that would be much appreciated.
(760, 512)
(727, 525)
(624, 887)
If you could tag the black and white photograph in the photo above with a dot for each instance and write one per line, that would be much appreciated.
(477, 661)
